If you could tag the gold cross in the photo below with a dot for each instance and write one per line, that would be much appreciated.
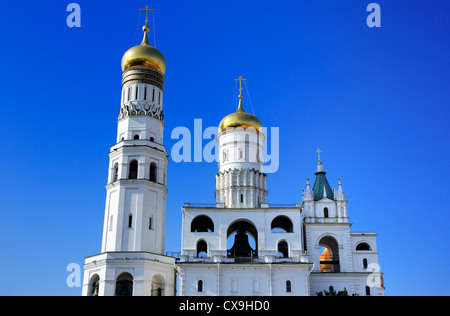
(318, 151)
(240, 85)
(146, 9)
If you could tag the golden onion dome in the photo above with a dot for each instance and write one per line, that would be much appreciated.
(144, 55)
(240, 119)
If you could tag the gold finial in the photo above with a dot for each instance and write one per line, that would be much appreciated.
(240, 79)
(146, 9)
(318, 151)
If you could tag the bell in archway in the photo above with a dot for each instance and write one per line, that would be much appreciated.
(241, 247)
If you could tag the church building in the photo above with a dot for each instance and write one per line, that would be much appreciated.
(242, 245)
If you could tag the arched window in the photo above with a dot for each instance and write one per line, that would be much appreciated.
(283, 251)
(200, 286)
(124, 285)
(329, 255)
(136, 137)
(325, 212)
(281, 224)
(363, 247)
(158, 285)
(202, 249)
(116, 172)
(288, 286)
(153, 168)
(367, 290)
(202, 224)
(242, 198)
(133, 173)
(152, 139)
(365, 263)
(94, 285)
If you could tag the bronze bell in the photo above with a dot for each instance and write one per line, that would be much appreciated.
(241, 247)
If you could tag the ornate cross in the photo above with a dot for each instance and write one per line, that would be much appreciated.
(318, 151)
(240, 79)
(146, 9)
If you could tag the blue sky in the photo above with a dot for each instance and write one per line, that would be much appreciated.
(375, 100)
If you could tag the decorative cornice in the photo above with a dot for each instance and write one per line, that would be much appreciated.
(141, 108)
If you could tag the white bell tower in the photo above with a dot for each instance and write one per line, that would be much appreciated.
(132, 260)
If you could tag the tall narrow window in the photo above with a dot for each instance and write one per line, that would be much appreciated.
(367, 290)
(200, 286)
(365, 263)
(153, 172)
(325, 212)
(110, 223)
(116, 172)
(129, 93)
(130, 221)
(145, 93)
(153, 98)
(288, 286)
(150, 223)
(133, 170)
(159, 98)
(242, 198)
(137, 93)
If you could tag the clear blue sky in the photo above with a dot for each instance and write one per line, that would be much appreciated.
(376, 101)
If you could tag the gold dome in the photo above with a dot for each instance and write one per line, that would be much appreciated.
(144, 56)
(240, 119)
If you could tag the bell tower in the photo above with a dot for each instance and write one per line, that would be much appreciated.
(132, 260)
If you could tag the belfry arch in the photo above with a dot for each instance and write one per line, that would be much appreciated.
(243, 230)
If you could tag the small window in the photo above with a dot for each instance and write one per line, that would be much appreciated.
(365, 263)
(133, 170)
(331, 289)
(242, 198)
(153, 168)
(367, 291)
(224, 155)
(153, 97)
(200, 286)
(150, 223)
(325, 212)
(137, 92)
(136, 137)
(116, 172)
(130, 221)
(129, 93)
(152, 139)
(288, 286)
(363, 247)
(145, 93)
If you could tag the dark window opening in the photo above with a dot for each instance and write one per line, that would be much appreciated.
(133, 170)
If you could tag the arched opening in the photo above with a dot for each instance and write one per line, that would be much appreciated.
(202, 249)
(136, 137)
(115, 172)
(367, 290)
(202, 224)
(281, 224)
(329, 255)
(363, 247)
(153, 168)
(325, 212)
(124, 285)
(365, 263)
(288, 286)
(94, 285)
(152, 139)
(133, 173)
(158, 285)
(200, 286)
(283, 249)
(244, 237)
